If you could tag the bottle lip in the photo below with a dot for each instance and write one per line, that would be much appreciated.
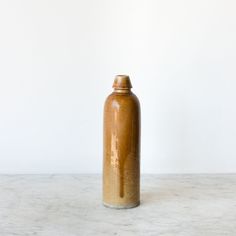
(122, 82)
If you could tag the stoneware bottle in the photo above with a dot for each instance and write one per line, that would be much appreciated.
(121, 151)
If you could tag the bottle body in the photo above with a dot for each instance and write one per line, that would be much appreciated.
(121, 151)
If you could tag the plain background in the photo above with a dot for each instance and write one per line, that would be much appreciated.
(58, 60)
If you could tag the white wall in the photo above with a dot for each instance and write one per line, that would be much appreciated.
(57, 64)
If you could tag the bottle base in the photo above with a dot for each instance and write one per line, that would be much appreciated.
(122, 206)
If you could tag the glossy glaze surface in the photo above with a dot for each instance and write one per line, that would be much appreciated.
(121, 163)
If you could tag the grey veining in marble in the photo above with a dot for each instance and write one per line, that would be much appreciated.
(71, 205)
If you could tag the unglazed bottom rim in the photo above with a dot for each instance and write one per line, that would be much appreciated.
(120, 206)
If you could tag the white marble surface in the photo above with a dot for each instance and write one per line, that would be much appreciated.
(70, 205)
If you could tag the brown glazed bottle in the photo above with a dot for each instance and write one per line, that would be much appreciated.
(121, 150)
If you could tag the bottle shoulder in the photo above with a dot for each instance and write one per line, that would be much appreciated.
(115, 99)
(122, 97)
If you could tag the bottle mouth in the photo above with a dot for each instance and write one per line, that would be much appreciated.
(122, 82)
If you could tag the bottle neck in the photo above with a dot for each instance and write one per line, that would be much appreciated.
(122, 91)
(122, 84)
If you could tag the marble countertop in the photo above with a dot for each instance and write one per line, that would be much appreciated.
(71, 205)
